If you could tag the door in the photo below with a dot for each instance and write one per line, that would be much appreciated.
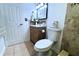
(15, 25)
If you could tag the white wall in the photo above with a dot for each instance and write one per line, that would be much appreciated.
(27, 9)
(26, 13)
(56, 11)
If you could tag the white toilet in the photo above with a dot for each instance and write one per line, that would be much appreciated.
(44, 45)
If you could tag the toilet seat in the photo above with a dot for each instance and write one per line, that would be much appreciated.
(43, 45)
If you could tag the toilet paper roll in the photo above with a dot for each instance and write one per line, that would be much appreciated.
(43, 31)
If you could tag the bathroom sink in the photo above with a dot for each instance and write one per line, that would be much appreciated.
(54, 28)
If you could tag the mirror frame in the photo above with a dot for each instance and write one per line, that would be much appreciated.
(45, 15)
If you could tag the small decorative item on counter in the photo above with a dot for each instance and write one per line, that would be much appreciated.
(55, 24)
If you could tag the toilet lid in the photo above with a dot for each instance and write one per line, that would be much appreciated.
(44, 43)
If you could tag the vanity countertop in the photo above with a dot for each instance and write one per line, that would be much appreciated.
(39, 25)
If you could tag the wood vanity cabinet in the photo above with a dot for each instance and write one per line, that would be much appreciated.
(37, 34)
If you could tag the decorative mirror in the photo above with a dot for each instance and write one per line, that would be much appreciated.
(41, 11)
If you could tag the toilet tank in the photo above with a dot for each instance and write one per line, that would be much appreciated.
(53, 33)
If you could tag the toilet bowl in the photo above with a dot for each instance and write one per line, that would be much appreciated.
(44, 45)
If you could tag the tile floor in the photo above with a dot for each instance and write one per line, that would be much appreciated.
(22, 49)
(30, 48)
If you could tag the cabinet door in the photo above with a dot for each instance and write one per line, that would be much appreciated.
(31, 34)
(34, 34)
(37, 34)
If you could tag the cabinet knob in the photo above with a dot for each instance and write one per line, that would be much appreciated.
(43, 31)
